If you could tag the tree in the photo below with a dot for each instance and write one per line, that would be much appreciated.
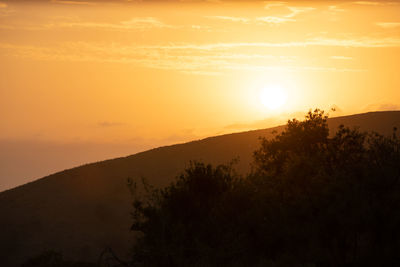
(312, 199)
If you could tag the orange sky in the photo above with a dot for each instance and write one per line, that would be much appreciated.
(138, 75)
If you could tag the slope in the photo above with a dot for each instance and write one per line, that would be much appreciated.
(85, 209)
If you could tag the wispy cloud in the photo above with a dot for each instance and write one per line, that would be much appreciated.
(278, 120)
(336, 9)
(383, 106)
(341, 57)
(138, 23)
(107, 124)
(274, 20)
(377, 3)
(388, 25)
(66, 2)
(208, 59)
(294, 11)
(272, 4)
(6, 27)
(367, 3)
(298, 10)
(228, 18)
(258, 20)
(133, 24)
(334, 13)
(365, 42)
(191, 54)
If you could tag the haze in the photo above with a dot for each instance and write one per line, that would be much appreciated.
(83, 81)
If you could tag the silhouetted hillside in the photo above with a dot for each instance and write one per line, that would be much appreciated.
(83, 210)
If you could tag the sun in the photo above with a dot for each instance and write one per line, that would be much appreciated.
(273, 97)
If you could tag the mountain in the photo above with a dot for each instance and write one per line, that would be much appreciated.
(83, 210)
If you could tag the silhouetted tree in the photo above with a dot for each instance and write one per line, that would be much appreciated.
(311, 200)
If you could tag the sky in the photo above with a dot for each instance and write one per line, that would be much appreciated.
(83, 81)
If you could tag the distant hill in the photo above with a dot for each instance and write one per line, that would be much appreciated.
(85, 209)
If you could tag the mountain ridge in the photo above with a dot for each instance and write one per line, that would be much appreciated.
(82, 210)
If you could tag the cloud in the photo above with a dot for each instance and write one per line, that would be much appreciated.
(137, 23)
(185, 49)
(365, 42)
(65, 2)
(271, 4)
(268, 4)
(334, 13)
(186, 135)
(336, 9)
(107, 124)
(294, 11)
(377, 3)
(258, 20)
(199, 59)
(274, 20)
(6, 27)
(133, 24)
(388, 25)
(298, 10)
(145, 23)
(341, 57)
(382, 107)
(266, 123)
(233, 19)
(274, 121)
(280, 119)
(3, 5)
(367, 3)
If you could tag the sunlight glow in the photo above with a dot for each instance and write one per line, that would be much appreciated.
(273, 97)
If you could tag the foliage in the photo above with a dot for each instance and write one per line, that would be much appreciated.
(311, 200)
(54, 259)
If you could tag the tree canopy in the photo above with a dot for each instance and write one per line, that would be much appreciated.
(312, 199)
